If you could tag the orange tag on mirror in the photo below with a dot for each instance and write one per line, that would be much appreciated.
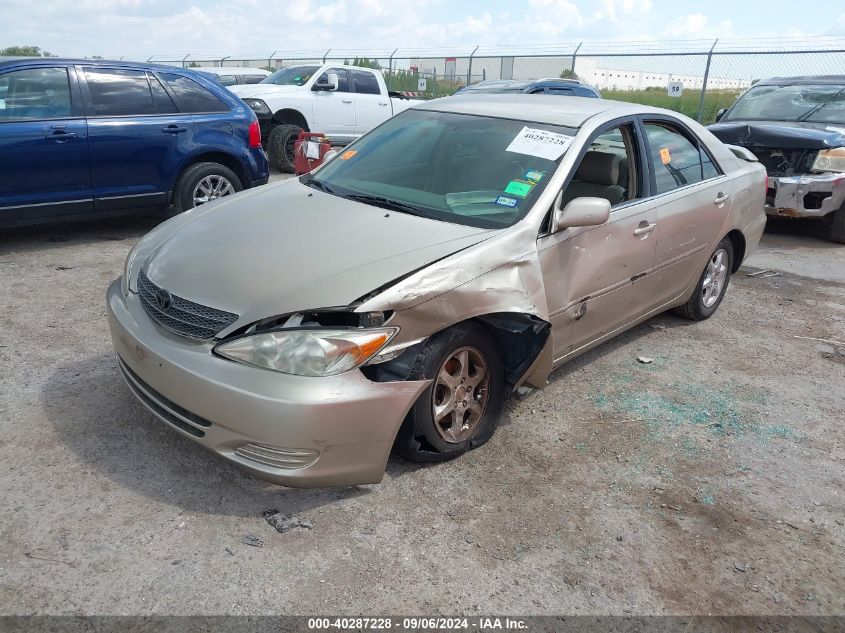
(348, 154)
(664, 155)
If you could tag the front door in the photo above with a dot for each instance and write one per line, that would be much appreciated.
(599, 278)
(44, 168)
(138, 138)
(334, 110)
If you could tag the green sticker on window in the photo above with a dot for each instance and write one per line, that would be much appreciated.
(518, 188)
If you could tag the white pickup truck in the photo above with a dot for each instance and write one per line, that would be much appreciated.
(343, 102)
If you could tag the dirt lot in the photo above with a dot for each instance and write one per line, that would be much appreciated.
(710, 480)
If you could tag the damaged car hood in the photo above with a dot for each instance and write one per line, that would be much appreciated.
(780, 134)
(288, 247)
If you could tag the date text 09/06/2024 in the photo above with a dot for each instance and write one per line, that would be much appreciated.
(418, 623)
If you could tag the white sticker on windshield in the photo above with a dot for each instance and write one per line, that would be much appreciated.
(541, 143)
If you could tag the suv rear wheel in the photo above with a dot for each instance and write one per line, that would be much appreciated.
(204, 182)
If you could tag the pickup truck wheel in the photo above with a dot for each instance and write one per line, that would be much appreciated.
(459, 411)
(711, 286)
(280, 147)
(203, 182)
(837, 226)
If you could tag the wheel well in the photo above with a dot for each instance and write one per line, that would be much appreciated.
(520, 338)
(289, 116)
(738, 242)
(222, 158)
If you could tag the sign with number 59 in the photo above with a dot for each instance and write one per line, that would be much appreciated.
(675, 88)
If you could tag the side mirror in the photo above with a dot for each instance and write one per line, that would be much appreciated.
(720, 114)
(581, 212)
(327, 81)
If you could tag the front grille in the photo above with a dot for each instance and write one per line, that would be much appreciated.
(182, 316)
(169, 411)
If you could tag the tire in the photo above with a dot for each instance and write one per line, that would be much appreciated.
(711, 286)
(280, 147)
(837, 226)
(196, 178)
(424, 439)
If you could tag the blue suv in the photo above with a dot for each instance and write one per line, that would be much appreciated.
(85, 137)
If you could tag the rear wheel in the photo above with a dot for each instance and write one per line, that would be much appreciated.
(202, 183)
(459, 411)
(837, 226)
(280, 147)
(711, 286)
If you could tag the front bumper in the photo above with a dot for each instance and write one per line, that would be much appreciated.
(805, 195)
(346, 422)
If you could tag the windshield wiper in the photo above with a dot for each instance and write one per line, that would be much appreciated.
(318, 184)
(387, 203)
(812, 111)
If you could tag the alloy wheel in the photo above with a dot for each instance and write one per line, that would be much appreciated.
(210, 188)
(715, 277)
(460, 394)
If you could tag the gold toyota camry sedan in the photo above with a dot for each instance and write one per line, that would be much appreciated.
(390, 299)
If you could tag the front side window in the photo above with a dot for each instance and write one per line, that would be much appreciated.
(824, 103)
(227, 80)
(193, 96)
(364, 82)
(676, 160)
(460, 168)
(342, 78)
(117, 92)
(609, 169)
(34, 93)
(293, 76)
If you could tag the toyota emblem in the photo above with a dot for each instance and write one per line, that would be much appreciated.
(163, 299)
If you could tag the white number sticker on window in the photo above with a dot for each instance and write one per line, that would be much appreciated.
(540, 143)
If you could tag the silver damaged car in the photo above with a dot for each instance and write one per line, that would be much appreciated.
(390, 299)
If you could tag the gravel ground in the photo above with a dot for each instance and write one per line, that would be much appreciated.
(709, 481)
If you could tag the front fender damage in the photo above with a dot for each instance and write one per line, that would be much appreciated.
(509, 299)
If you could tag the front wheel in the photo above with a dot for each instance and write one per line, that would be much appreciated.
(459, 411)
(837, 226)
(711, 286)
(202, 183)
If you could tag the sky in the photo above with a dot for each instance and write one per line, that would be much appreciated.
(141, 28)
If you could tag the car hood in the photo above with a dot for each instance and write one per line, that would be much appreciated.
(780, 134)
(256, 91)
(287, 247)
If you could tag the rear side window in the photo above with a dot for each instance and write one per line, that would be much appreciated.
(163, 103)
(193, 96)
(364, 82)
(676, 160)
(119, 92)
(253, 79)
(227, 80)
(566, 92)
(34, 93)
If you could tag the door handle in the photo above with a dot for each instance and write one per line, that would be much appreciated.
(720, 198)
(645, 228)
(61, 136)
(173, 129)
(347, 100)
(384, 103)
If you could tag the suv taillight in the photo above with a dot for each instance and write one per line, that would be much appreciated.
(254, 134)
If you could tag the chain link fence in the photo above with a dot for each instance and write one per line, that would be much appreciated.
(712, 73)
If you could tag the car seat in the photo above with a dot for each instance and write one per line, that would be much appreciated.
(597, 177)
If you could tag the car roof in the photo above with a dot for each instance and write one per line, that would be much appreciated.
(806, 79)
(551, 109)
(8, 61)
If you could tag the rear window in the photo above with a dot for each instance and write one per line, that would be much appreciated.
(193, 96)
(364, 82)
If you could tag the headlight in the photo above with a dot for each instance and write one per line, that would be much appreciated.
(317, 352)
(830, 160)
(258, 106)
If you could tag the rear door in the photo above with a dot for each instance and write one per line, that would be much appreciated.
(372, 108)
(334, 110)
(695, 199)
(138, 138)
(44, 168)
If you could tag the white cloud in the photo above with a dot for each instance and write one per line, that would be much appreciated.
(696, 25)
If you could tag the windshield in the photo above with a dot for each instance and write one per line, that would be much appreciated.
(823, 103)
(294, 76)
(460, 168)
